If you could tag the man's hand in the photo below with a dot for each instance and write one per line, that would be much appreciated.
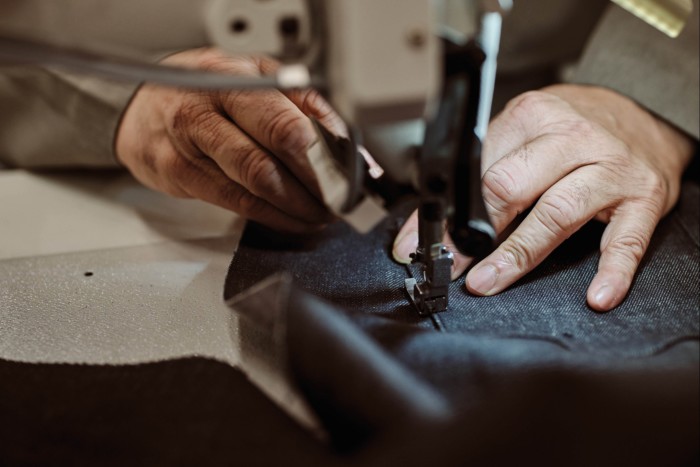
(242, 150)
(572, 153)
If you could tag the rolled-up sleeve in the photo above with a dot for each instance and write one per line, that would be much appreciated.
(51, 119)
(660, 73)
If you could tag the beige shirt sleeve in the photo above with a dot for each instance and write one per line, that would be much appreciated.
(660, 73)
(56, 119)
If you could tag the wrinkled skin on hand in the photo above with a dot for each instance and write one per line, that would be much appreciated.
(241, 150)
(572, 154)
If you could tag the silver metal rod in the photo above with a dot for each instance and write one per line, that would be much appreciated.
(23, 52)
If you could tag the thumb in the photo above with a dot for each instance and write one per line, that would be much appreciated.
(406, 243)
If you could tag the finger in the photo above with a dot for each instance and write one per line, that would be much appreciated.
(460, 262)
(249, 165)
(559, 213)
(519, 178)
(623, 245)
(308, 101)
(406, 243)
(311, 103)
(279, 126)
(203, 179)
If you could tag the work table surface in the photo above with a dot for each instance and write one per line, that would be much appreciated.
(95, 268)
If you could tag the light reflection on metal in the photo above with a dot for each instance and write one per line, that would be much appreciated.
(668, 16)
(375, 171)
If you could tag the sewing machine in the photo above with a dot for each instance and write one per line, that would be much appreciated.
(413, 91)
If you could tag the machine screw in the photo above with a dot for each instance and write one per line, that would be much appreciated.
(239, 25)
(416, 39)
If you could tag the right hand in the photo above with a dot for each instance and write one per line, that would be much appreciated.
(242, 150)
(573, 153)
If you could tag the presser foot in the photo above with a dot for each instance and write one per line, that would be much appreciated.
(431, 295)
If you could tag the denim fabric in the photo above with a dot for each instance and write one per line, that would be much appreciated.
(356, 273)
(515, 400)
(530, 375)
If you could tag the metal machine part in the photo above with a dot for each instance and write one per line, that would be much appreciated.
(450, 166)
(668, 16)
(430, 295)
(26, 52)
(40, 33)
(421, 104)
(419, 101)
(279, 28)
(382, 59)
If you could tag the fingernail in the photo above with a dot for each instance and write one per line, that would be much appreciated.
(483, 279)
(404, 246)
(605, 297)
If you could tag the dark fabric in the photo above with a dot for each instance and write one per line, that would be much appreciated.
(182, 412)
(356, 272)
(532, 374)
(513, 400)
(199, 412)
(562, 418)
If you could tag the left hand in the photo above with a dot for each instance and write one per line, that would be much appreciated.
(576, 153)
(243, 150)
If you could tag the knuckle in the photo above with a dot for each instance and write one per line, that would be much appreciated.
(257, 170)
(206, 132)
(523, 153)
(241, 201)
(499, 188)
(264, 63)
(211, 61)
(518, 254)
(616, 152)
(554, 217)
(529, 103)
(232, 99)
(559, 212)
(496, 212)
(633, 179)
(631, 247)
(189, 115)
(215, 61)
(616, 166)
(657, 186)
(287, 132)
(620, 155)
(578, 127)
(313, 102)
(247, 203)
